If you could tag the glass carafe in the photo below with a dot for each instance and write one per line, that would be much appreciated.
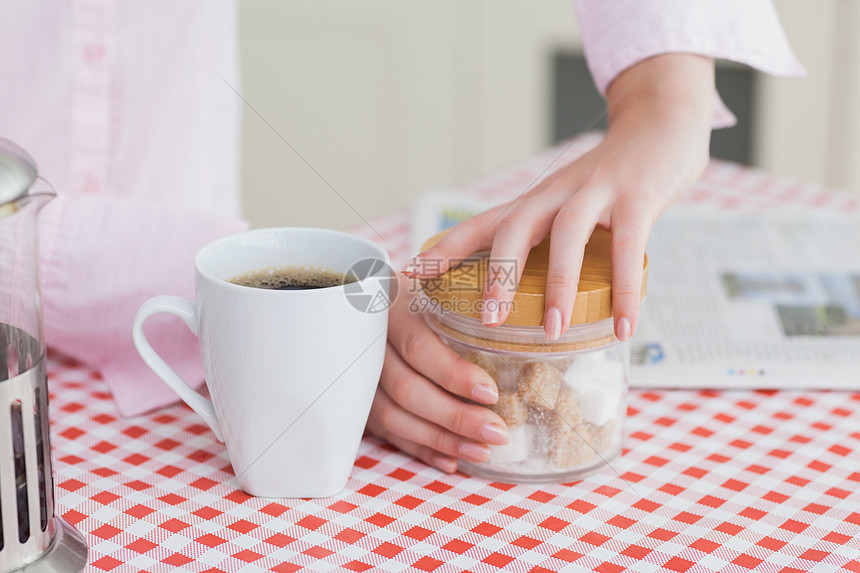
(31, 535)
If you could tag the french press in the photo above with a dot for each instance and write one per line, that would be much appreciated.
(32, 537)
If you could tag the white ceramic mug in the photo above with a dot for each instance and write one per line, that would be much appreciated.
(292, 374)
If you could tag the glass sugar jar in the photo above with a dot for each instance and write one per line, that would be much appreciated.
(564, 401)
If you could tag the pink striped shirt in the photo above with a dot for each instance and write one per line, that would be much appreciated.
(122, 106)
(618, 33)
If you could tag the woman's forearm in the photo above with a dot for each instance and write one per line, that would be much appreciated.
(664, 105)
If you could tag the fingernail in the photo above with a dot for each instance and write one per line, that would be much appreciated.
(490, 312)
(494, 434)
(485, 394)
(622, 330)
(411, 267)
(552, 323)
(445, 464)
(474, 452)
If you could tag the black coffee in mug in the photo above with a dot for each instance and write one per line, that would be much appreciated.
(293, 277)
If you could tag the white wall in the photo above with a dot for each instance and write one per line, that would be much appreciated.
(387, 98)
(809, 129)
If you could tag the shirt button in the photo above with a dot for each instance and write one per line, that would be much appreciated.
(90, 185)
(94, 53)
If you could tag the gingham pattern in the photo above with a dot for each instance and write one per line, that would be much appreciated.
(709, 481)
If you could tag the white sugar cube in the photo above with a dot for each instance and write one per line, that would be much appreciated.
(599, 387)
(516, 450)
(584, 370)
(599, 407)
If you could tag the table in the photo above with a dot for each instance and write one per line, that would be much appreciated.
(712, 481)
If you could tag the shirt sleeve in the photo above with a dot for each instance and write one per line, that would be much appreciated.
(619, 33)
(101, 257)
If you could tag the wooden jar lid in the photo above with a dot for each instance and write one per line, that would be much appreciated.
(459, 289)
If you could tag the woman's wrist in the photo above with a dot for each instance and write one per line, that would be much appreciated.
(660, 115)
(675, 88)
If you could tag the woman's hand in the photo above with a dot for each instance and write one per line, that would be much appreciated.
(418, 405)
(660, 113)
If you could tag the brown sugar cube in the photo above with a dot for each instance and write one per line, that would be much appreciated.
(511, 409)
(570, 447)
(543, 424)
(484, 361)
(603, 437)
(567, 408)
(539, 385)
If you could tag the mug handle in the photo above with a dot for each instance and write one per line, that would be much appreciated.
(187, 311)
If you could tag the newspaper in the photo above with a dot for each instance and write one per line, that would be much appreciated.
(735, 300)
(751, 301)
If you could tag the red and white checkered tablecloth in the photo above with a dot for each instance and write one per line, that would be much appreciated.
(712, 481)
